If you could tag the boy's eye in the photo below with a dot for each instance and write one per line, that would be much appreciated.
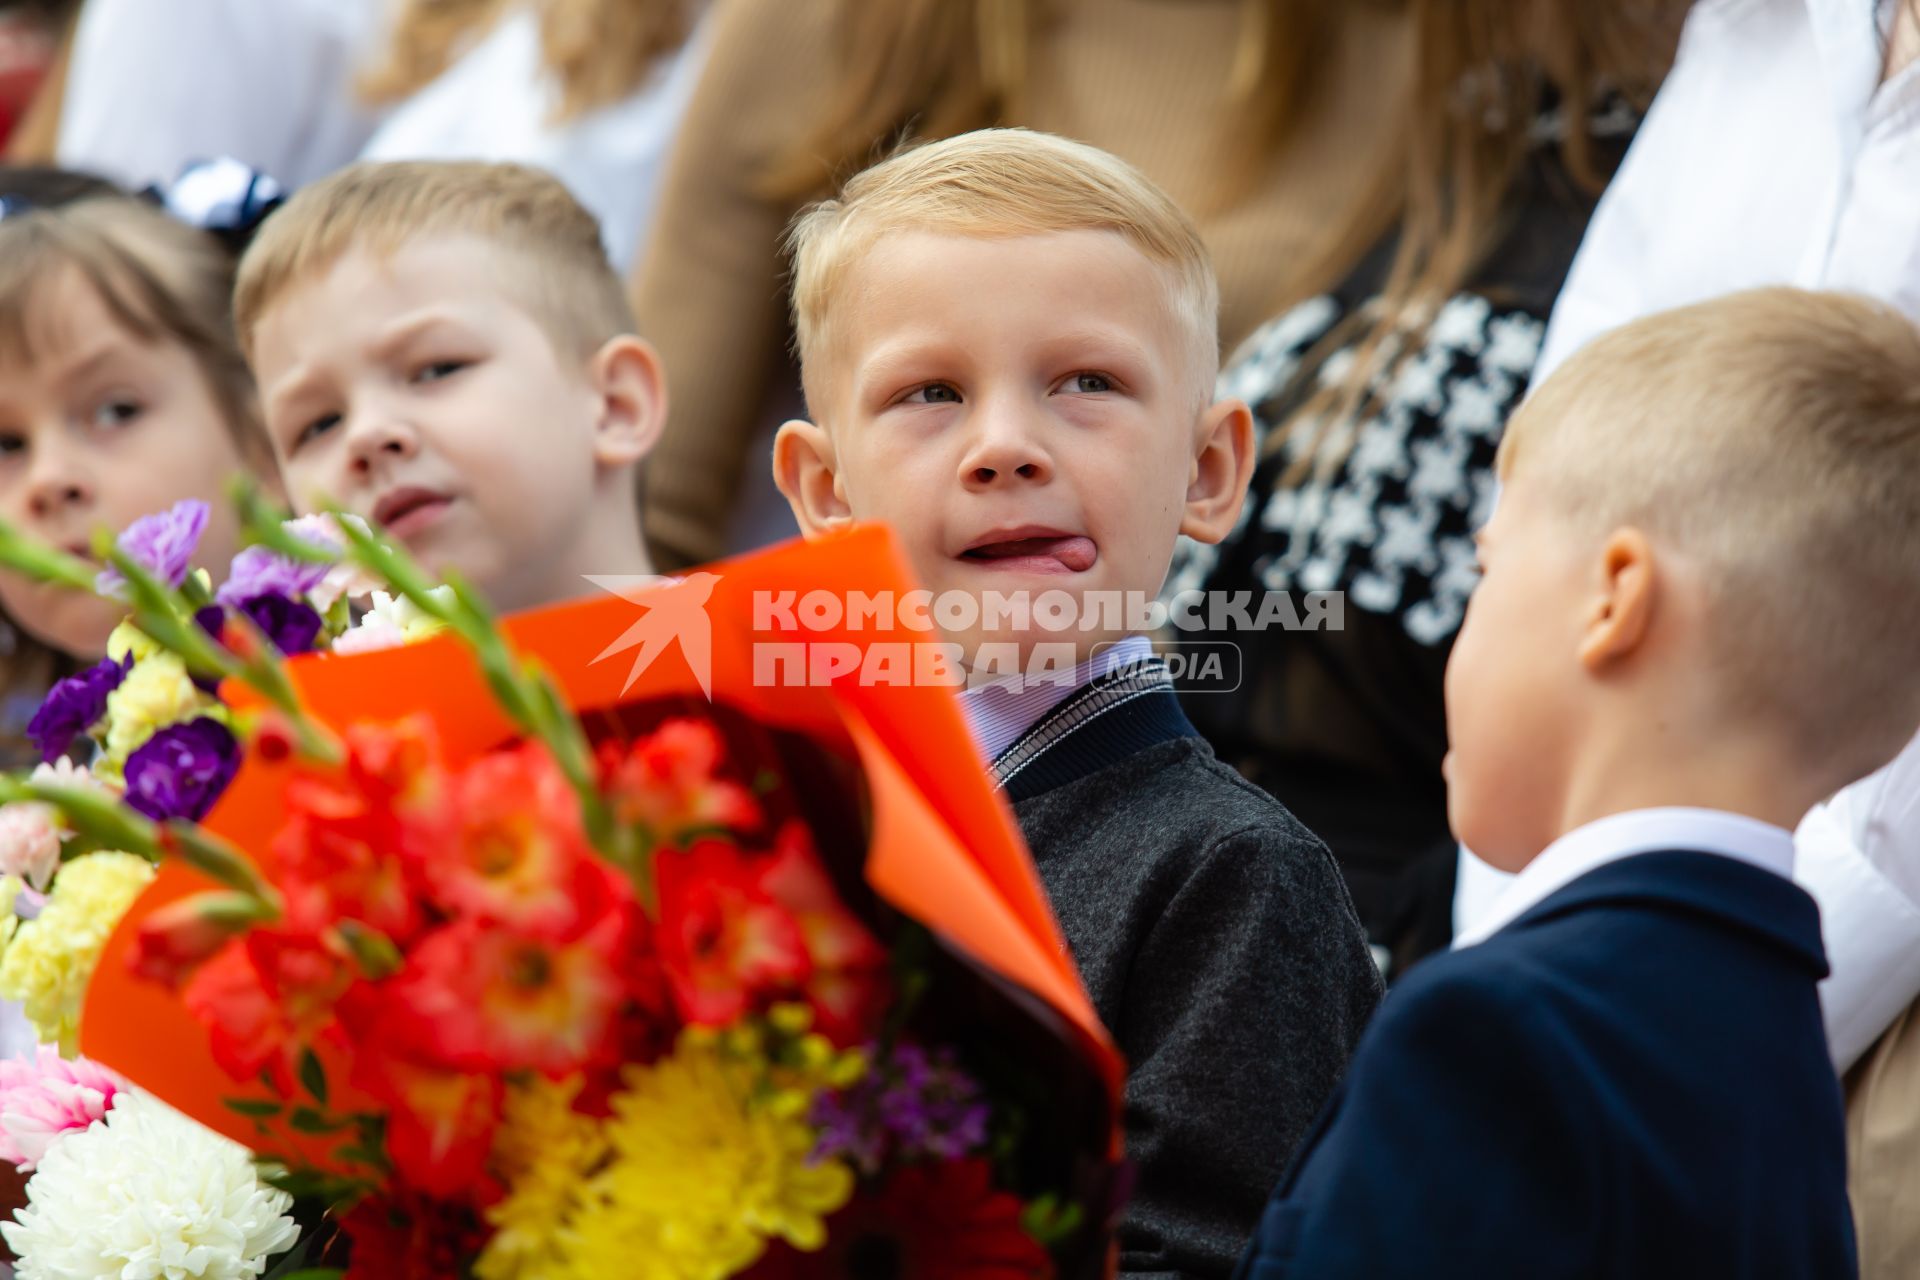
(1090, 384)
(315, 429)
(435, 370)
(12, 443)
(933, 393)
(116, 412)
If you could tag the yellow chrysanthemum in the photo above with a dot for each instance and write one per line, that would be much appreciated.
(545, 1151)
(156, 693)
(51, 958)
(699, 1173)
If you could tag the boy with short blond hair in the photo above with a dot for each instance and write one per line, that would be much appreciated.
(1008, 347)
(442, 347)
(1696, 621)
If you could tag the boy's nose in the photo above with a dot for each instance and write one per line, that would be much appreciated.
(1004, 452)
(373, 439)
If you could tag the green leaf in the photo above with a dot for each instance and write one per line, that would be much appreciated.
(252, 1106)
(313, 1077)
(307, 1120)
(1049, 1221)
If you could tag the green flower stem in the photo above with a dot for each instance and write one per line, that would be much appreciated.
(165, 616)
(42, 563)
(526, 692)
(262, 522)
(107, 823)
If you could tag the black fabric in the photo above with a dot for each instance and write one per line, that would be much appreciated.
(1629, 1082)
(1347, 727)
(1219, 946)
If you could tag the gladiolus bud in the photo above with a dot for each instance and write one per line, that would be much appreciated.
(183, 935)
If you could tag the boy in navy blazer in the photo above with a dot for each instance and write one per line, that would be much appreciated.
(1701, 592)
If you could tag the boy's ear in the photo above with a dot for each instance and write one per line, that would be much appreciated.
(1217, 482)
(1621, 611)
(803, 467)
(625, 375)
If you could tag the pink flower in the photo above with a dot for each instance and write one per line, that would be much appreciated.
(30, 841)
(44, 1096)
(31, 832)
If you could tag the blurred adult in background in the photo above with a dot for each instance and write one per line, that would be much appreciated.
(1381, 395)
(1258, 115)
(31, 35)
(153, 86)
(590, 90)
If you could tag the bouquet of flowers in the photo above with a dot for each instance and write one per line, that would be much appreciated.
(442, 961)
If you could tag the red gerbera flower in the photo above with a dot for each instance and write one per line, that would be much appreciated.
(482, 997)
(926, 1222)
(352, 838)
(265, 998)
(517, 853)
(724, 941)
(846, 984)
(440, 1123)
(667, 783)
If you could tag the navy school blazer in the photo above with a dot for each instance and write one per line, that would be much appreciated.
(1629, 1081)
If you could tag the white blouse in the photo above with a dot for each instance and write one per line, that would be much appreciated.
(155, 85)
(496, 103)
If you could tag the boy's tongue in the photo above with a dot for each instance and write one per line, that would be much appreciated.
(1074, 554)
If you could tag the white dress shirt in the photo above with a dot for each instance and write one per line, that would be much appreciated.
(1001, 710)
(1775, 155)
(1623, 835)
(154, 85)
(496, 103)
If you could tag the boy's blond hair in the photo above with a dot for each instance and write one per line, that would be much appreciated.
(161, 281)
(564, 278)
(1771, 441)
(999, 182)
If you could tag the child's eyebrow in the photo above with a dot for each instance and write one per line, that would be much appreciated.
(83, 367)
(407, 329)
(288, 391)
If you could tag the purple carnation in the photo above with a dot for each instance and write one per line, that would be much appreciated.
(290, 624)
(258, 571)
(910, 1105)
(162, 544)
(74, 706)
(180, 771)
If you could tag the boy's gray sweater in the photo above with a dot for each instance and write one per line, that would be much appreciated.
(1216, 938)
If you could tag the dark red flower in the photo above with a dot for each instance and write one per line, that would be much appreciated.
(925, 1222)
(410, 1237)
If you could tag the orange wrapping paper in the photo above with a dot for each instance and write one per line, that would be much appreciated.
(944, 847)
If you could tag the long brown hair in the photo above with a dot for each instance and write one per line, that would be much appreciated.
(931, 69)
(1482, 70)
(599, 50)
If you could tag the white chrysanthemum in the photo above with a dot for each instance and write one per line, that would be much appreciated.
(147, 1194)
